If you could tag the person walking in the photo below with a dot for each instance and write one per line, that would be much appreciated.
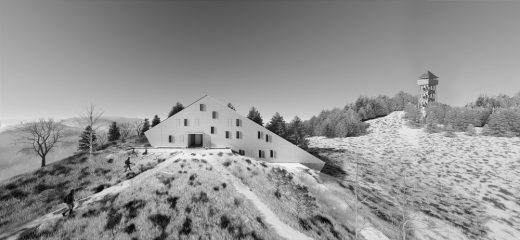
(127, 164)
(69, 200)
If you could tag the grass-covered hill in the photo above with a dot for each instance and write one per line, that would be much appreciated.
(458, 186)
(178, 194)
(13, 161)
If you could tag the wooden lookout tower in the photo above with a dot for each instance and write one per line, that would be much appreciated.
(427, 88)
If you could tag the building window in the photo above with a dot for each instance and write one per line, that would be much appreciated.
(242, 152)
(267, 138)
(202, 107)
(170, 138)
(271, 153)
(185, 122)
(239, 135)
(261, 154)
(259, 135)
(239, 123)
(214, 114)
(227, 134)
(212, 130)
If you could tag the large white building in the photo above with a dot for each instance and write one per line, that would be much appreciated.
(207, 123)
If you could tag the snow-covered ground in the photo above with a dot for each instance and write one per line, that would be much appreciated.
(469, 186)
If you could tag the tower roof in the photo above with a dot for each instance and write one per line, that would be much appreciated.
(428, 75)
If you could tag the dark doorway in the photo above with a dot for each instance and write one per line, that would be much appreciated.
(194, 140)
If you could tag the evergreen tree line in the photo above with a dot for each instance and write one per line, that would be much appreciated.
(293, 131)
(115, 132)
(499, 116)
(350, 120)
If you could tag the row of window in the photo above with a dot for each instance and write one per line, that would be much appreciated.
(261, 153)
(268, 138)
(238, 135)
(238, 122)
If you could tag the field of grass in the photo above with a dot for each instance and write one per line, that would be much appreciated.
(186, 200)
(313, 203)
(32, 194)
(467, 185)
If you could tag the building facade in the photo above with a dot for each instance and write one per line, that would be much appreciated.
(207, 123)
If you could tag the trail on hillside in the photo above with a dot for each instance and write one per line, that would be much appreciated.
(283, 230)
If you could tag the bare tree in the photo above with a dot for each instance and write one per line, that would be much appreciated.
(125, 129)
(90, 118)
(358, 201)
(137, 126)
(406, 195)
(41, 136)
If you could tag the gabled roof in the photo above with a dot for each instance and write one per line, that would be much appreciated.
(428, 75)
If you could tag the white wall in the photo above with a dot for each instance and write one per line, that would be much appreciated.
(201, 122)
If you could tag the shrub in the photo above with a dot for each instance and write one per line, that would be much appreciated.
(160, 220)
(448, 131)
(172, 201)
(186, 227)
(133, 207)
(113, 218)
(470, 130)
(130, 228)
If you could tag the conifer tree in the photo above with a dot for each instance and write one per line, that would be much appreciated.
(498, 125)
(277, 125)
(84, 140)
(255, 116)
(296, 133)
(231, 106)
(113, 132)
(175, 109)
(412, 113)
(146, 126)
(156, 120)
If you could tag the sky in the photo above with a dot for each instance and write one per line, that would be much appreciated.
(138, 58)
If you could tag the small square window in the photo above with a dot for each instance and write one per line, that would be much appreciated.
(202, 107)
(185, 122)
(212, 130)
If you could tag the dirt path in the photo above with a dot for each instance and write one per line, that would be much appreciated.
(15, 233)
(283, 230)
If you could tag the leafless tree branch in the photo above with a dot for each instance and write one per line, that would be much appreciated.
(42, 136)
(90, 118)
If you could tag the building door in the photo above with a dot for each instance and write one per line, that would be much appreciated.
(195, 140)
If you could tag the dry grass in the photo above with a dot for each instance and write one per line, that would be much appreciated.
(33, 194)
(183, 205)
(293, 197)
(458, 180)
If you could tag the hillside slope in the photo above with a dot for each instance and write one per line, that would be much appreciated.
(13, 161)
(177, 194)
(464, 187)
